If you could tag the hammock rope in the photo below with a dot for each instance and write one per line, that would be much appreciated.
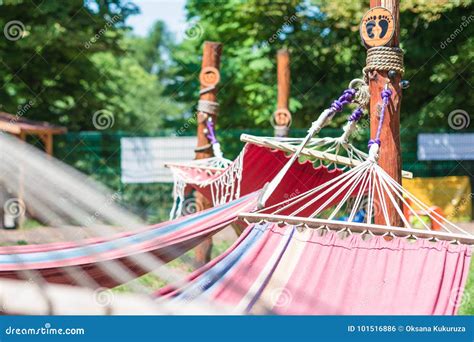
(386, 94)
(211, 136)
(325, 117)
(384, 58)
(208, 107)
(373, 190)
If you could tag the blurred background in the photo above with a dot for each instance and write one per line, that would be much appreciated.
(136, 64)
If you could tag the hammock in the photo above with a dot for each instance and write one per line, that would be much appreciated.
(288, 270)
(221, 183)
(298, 257)
(165, 241)
(292, 263)
(245, 175)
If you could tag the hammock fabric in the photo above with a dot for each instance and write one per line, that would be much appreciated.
(258, 165)
(285, 270)
(166, 241)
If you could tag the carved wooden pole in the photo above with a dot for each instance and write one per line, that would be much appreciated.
(209, 77)
(282, 116)
(390, 151)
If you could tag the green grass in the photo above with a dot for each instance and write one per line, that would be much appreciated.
(15, 243)
(151, 282)
(184, 264)
(467, 303)
(30, 223)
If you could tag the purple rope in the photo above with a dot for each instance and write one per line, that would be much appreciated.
(386, 93)
(356, 114)
(211, 133)
(346, 97)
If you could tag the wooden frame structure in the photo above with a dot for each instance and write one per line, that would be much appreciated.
(390, 153)
(355, 227)
(22, 127)
(211, 59)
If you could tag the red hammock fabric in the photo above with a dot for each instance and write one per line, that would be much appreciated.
(165, 241)
(261, 165)
(285, 270)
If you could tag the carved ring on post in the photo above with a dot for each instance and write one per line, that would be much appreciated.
(377, 27)
(281, 117)
(281, 121)
(209, 77)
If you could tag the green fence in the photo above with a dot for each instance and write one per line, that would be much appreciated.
(98, 155)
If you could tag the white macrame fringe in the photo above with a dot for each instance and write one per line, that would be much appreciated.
(224, 187)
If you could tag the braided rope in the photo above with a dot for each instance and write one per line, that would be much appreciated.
(203, 148)
(211, 133)
(208, 107)
(206, 90)
(384, 58)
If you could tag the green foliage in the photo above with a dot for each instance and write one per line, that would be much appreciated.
(128, 91)
(467, 303)
(71, 59)
(326, 54)
(183, 264)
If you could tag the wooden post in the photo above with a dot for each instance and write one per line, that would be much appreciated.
(390, 151)
(210, 59)
(48, 143)
(282, 114)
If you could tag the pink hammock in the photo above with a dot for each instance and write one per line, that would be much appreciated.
(286, 270)
(254, 167)
(167, 240)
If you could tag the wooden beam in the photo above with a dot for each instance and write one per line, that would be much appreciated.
(211, 58)
(14, 128)
(283, 78)
(48, 143)
(355, 227)
(390, 151)
(9, 128)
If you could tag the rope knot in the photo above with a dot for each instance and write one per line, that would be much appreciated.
(356, 114)
(386, 93)
(384, 58)
(349, 92)
(211, 134)
(337, 106)
(346, 97)
(374, 141)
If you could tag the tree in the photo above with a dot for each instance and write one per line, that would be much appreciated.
(326, 53)
(72, 59)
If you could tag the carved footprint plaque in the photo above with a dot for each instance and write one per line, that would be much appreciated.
(377, 27)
